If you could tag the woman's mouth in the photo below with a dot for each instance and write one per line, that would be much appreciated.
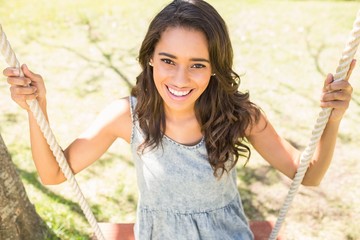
(177, 93)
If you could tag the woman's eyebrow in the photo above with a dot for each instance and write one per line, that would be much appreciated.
(192, 59)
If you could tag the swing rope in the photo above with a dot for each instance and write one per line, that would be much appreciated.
(12, 61)
(305, 159)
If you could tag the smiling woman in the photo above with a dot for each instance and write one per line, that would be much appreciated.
(181, 70)
(188, 119)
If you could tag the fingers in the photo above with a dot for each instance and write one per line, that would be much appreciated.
(11, 72)
(330, 85)
(28, 90)
(15, 72)
(328, 80)
(337, 86)
(29, 87)
(19, 81)
(29, 79)
(337, 94)
(338, 105)
(21, 92)
(336, 91)
(33, 76)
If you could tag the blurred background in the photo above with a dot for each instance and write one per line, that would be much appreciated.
(86, 51)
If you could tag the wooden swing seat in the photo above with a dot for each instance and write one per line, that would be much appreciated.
(124, 231)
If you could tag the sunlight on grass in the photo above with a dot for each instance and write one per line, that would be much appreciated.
(86, 52)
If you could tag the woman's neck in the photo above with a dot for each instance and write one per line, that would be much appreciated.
(183, 127)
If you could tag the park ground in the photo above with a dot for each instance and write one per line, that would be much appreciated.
(86, 51)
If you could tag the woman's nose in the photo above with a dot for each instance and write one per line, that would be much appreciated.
(181, 77)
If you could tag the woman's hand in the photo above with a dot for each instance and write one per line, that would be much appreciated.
(29, 87)
(337, 95)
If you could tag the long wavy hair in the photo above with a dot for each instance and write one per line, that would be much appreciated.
(223, 112)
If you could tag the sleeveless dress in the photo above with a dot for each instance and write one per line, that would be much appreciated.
(179, 197)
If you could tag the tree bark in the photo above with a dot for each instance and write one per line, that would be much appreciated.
(18, 217)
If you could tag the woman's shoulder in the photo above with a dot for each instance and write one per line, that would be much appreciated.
(119, 106)
(118, 114)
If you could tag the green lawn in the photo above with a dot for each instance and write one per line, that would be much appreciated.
(87, 51)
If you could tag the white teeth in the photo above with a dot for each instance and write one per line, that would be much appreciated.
(179, 93)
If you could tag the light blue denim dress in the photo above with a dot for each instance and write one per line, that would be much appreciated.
(179, 197)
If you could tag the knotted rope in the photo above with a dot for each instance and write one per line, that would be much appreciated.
(305, 159)
(12, 61)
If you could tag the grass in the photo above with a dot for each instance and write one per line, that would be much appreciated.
(87, 51)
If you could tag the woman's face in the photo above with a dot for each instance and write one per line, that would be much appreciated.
(181, 67)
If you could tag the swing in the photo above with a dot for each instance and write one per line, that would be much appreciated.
(124, 231)
(261, 229)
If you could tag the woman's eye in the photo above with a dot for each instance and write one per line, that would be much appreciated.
(198, 66)
(167, 61)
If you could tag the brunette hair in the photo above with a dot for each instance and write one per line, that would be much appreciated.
(223, 112)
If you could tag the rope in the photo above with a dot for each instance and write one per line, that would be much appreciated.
(12, 61)
(341, 71)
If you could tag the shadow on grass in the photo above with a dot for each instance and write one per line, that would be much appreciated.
(248, 176)
(106, 61)
(31, 178)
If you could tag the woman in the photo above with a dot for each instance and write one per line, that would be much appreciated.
(187, 124)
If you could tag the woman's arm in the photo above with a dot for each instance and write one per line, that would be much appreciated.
(113, 122)
(284, 157)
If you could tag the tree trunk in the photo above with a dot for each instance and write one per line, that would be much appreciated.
(18, 217)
